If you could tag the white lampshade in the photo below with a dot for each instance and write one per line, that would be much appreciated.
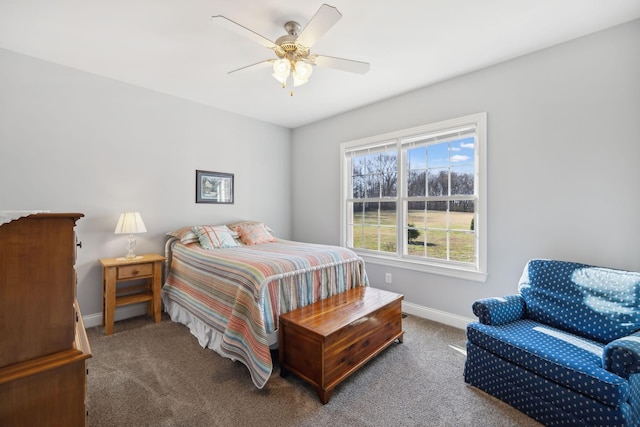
(130, 223)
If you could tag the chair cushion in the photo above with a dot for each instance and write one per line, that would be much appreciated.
(598, 303)
(566, 359)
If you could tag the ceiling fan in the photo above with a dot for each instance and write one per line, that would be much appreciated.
(294, 61)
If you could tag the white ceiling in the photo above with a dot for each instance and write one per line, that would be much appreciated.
(173, 46)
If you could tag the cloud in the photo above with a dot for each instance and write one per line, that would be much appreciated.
(467, 145)
(458, 158)
(455, 148)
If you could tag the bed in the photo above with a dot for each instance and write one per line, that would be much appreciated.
(230, 295)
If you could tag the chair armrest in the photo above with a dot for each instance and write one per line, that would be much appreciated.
(499, 310)
(622, 356)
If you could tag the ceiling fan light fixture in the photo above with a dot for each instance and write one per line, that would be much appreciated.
(301, 73)
(303, 69)
(298, 81)
(281, 70)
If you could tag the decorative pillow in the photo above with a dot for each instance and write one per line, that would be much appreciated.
(185, 234)
(254, 234)
(213, 237)
(234, 226)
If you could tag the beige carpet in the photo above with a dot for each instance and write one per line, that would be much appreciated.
(148, 374)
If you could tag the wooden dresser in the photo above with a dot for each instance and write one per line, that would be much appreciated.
(43, 342)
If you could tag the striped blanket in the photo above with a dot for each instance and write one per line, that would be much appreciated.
(239, 292)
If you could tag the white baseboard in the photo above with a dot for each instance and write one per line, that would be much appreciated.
(126, 312)
(436, 315)
(454, 320)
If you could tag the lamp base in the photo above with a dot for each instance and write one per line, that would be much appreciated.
(131, 245)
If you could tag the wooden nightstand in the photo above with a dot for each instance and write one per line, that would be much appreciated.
(116, 270)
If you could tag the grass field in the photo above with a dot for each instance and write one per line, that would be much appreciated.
(372, 234)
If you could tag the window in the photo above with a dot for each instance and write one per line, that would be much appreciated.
(416, 198)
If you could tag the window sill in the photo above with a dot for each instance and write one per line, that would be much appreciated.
(449, 271)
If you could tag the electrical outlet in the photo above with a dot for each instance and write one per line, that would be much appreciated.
(387, 277)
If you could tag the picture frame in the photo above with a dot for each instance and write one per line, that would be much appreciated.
(214, 187)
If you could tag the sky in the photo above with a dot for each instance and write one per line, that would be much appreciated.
(461, 155)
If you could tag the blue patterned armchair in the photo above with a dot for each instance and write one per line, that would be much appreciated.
(566, 349)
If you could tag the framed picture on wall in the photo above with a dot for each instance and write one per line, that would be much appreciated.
(214, 187)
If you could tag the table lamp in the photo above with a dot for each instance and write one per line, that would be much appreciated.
(130, 223)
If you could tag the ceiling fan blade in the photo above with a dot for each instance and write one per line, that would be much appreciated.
(325, 18)
(341, 64)
(257, 66)
(244, 31)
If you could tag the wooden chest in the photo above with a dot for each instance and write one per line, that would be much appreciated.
(325, 342)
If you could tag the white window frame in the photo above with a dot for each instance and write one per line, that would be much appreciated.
(475, 272)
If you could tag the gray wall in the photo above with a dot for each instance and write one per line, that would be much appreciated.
(75, 142)
(563, 154)
(563, 127)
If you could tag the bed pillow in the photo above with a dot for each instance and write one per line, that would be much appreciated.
(234, 226)
(254, 234)
(214, 237)
(185, 234)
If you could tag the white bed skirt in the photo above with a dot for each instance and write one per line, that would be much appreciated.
(207, 337)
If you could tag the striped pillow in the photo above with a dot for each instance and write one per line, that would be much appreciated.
(214, 237)
(185, 234)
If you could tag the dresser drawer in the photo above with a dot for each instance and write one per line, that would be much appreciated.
(135, 271)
